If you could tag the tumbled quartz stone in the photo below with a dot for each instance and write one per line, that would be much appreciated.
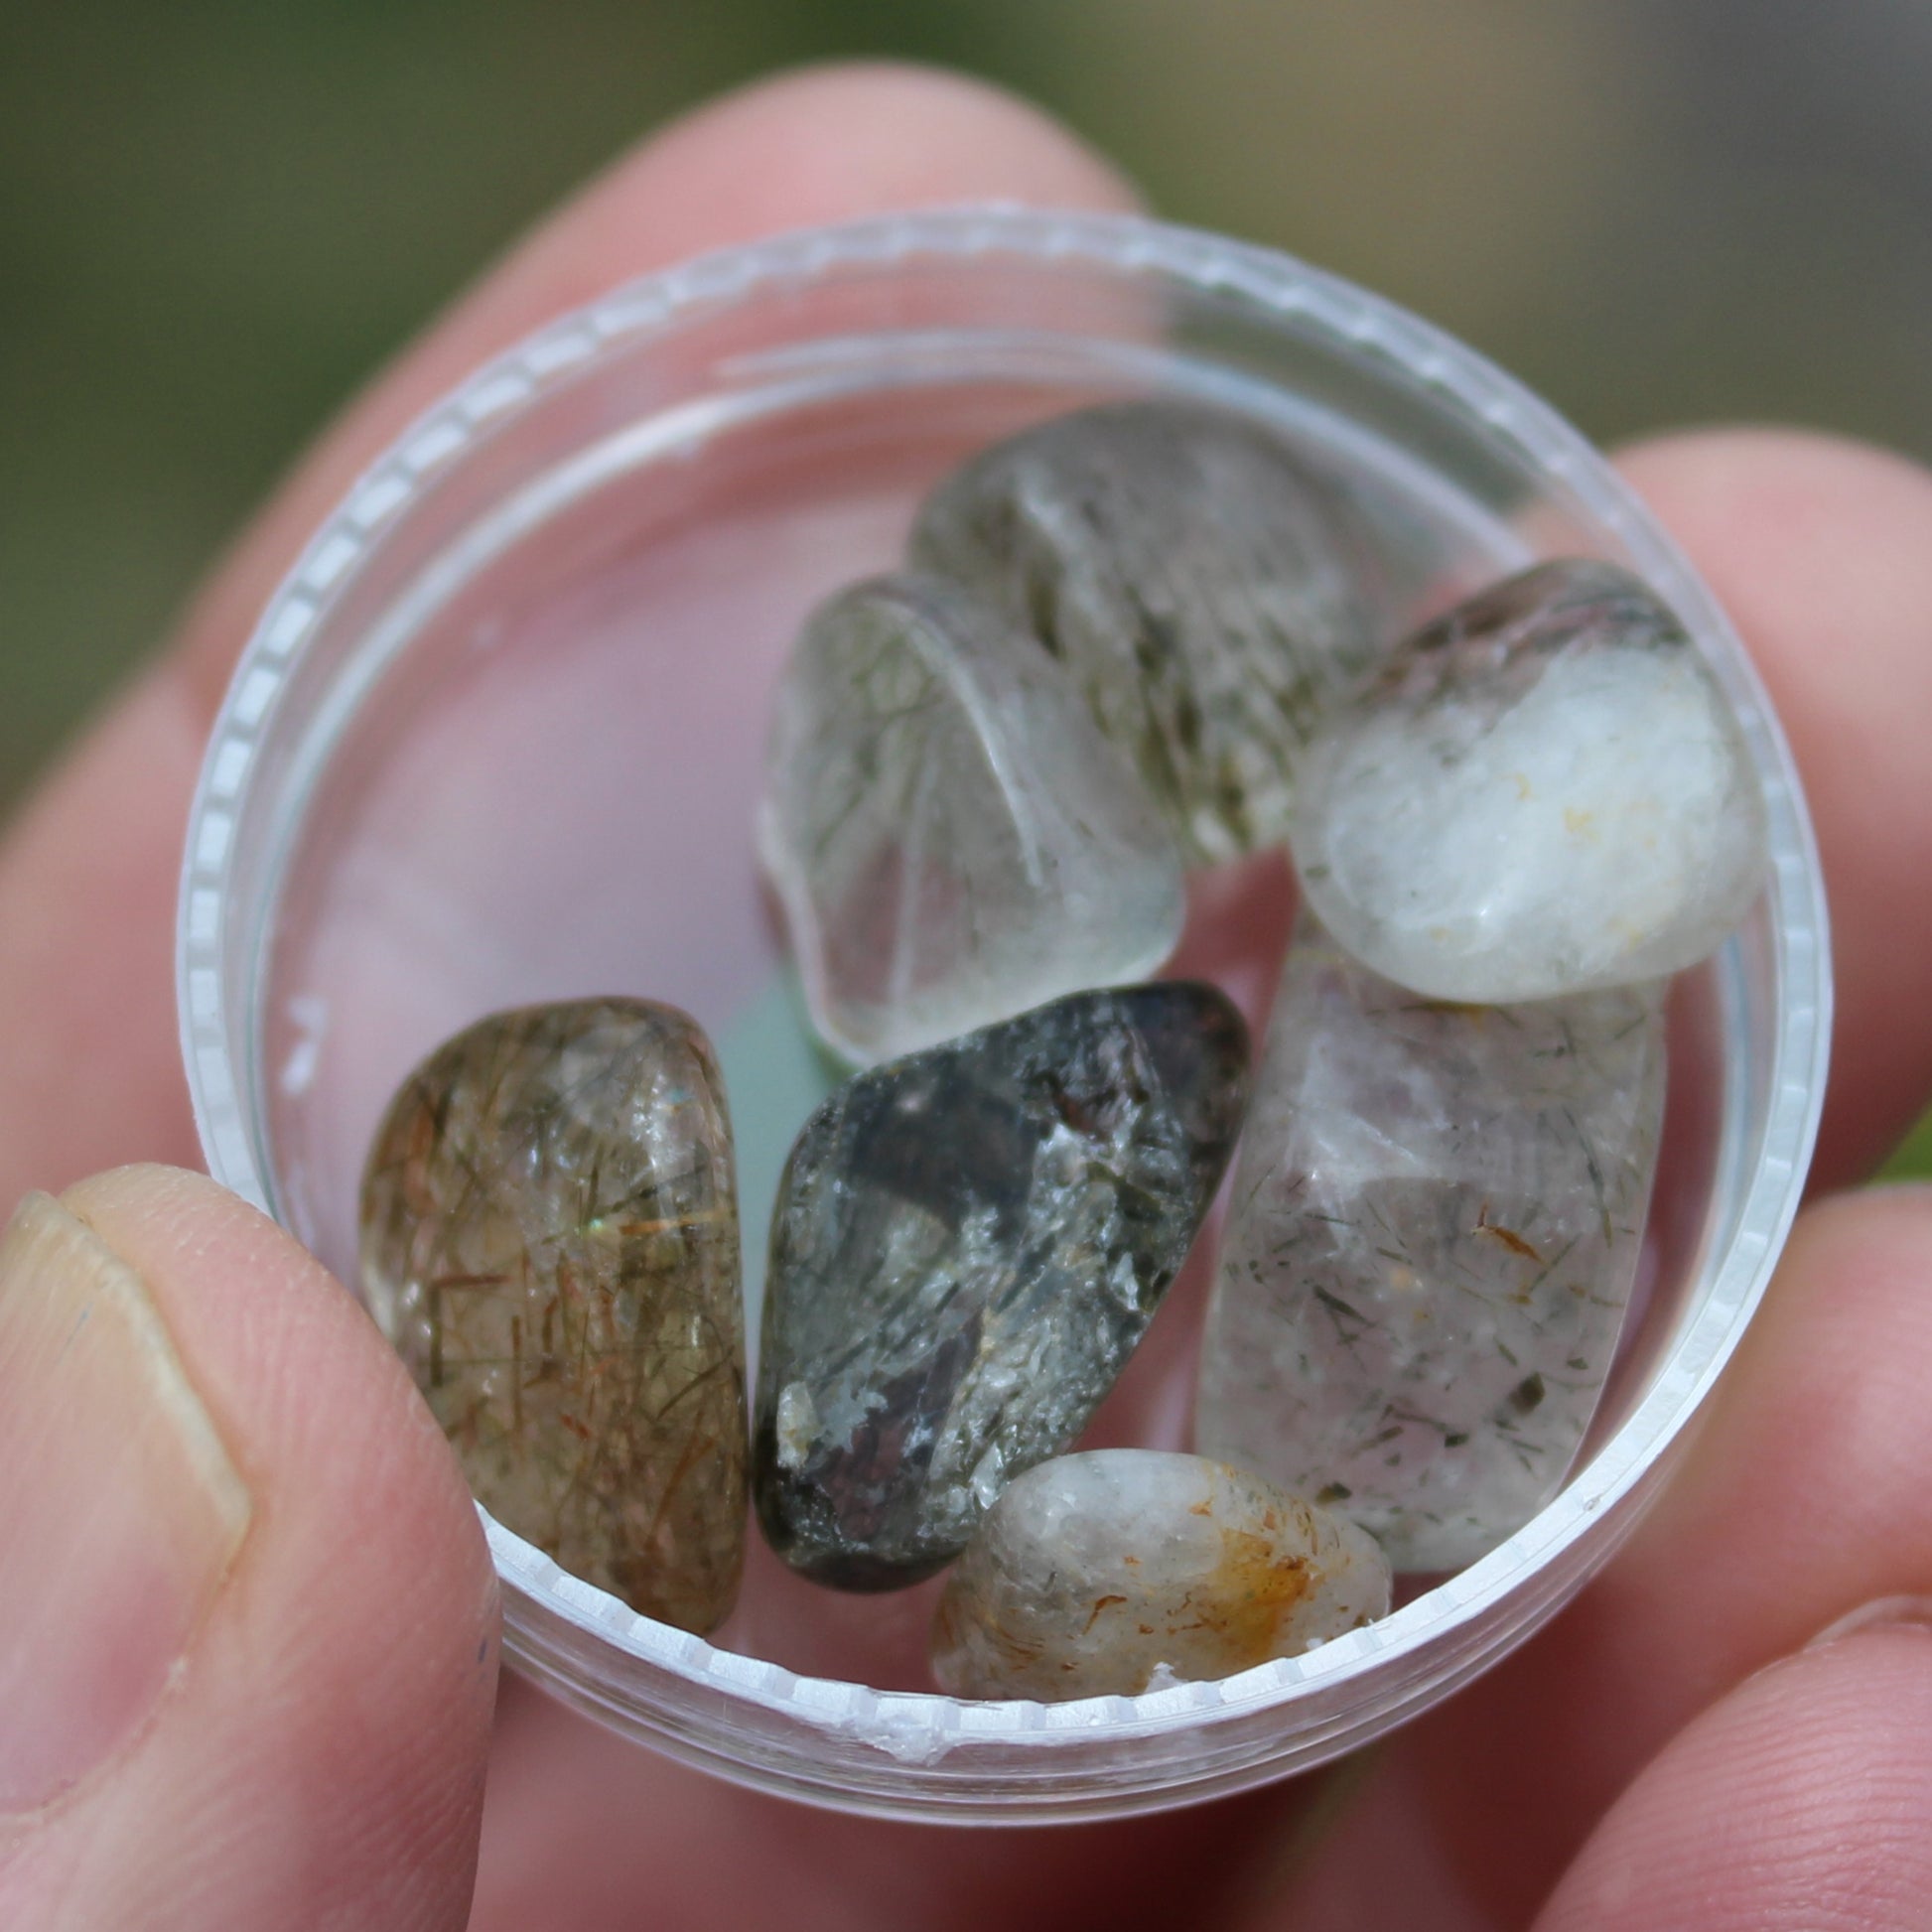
(1202, 585)
(966, 1247)
(1543, 791)
(550, 1240)
(1436, 1222)
(950, 836)
(1103, 1573)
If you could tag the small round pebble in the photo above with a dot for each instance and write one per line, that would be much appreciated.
(1092, 1573)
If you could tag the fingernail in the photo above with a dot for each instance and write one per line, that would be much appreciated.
(120, 1510)
(1881, 1613)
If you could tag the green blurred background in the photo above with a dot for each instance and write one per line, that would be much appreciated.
(218, 215)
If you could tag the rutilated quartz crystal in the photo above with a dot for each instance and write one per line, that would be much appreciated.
(1436, 1219)
(950, 836)
(1198, 581)
(1102, 1573)
(1543, 791)
(550, 1240)
(967, 1245)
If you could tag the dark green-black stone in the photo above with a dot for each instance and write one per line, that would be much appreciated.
(967, 1245)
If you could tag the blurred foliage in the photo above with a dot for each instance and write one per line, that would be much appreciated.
(217, 217)
(1913, 1160)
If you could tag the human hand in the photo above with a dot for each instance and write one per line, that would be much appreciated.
(247, 1624)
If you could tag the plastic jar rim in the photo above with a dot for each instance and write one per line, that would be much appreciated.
(919, 1729)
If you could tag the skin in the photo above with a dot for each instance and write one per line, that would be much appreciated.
(1668, 1753)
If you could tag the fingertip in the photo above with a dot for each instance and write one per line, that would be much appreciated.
(814, 144)
(1856, 1258)
(319, 1746)
(834, 141)
(1856, 1242)
(1802, 1799)
(1821, 550)
(1816, 543)
(1774, 462)
(301, 1381)
(1804, 1492)
(285, 1355)
(810, 145)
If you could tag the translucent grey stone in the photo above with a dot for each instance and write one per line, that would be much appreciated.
(1543, 791)
(967, 1245)
(1436, 1219)
(952, 839)
(1099, 1574)
(1202, 585)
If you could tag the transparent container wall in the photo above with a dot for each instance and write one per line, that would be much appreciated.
(499, 740)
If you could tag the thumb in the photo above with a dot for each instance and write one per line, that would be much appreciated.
(248, 1619)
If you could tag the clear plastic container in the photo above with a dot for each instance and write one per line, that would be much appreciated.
(497, 739)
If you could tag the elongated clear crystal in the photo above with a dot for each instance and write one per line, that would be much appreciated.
(1436, 1219)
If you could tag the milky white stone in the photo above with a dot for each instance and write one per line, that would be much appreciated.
(1437, 1218)
(1094, 1575)
(1202, 585)
(1543, 791)
(951, 838)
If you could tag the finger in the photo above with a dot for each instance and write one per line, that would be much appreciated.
(86, 881)
(1804, 1497)
(1802, 1800)
(1793, 1506)
(815, 147)
(820, 145)
(1821, 552)
(563, 1844)
(247, 1619)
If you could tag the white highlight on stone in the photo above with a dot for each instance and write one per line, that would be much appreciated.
(1107, 1573)
(1543, 791)
(1436, 1219)
(951, 838)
